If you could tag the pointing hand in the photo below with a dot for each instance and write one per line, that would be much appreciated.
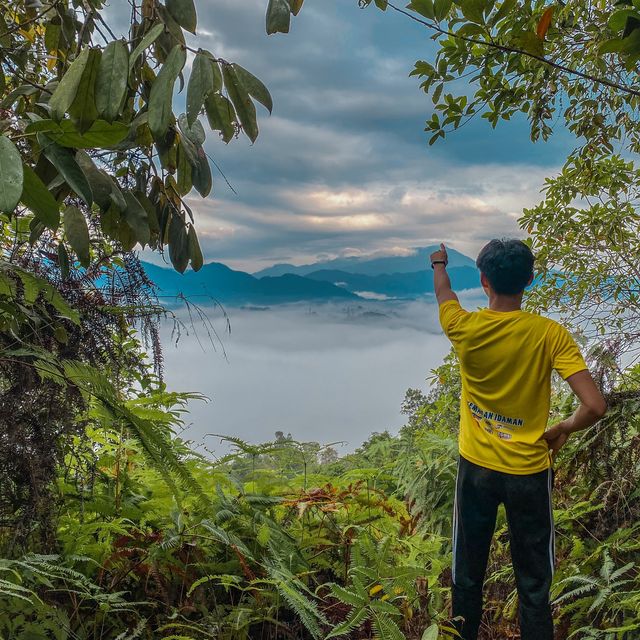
(440, 255)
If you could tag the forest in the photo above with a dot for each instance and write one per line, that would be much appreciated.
(111, 525)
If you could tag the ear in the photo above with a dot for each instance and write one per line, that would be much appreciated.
(484, 282)
(530, 280)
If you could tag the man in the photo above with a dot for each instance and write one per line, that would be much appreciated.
(506, 357)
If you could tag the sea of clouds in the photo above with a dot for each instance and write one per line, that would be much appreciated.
(322, 372)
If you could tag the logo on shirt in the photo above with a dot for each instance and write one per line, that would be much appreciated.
(493, 422)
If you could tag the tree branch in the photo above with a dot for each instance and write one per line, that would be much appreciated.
(500, 47)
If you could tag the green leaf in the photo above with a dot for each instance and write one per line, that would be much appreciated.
(220, 114)
(83, 110)
(441, 8)
(63, 261)
(253, 87)
(615, 45)
(473, 10)
(194, 133)
(530, 42)
(201, 83)
(296, 5)
(149, 38)
(201, 174)
(101, 184)
(11, 175)
(217, 74)
(111, 84)
(77, 233)
(101, 134)
(52, 36)
(278, 16)
(37, 198)
(431, 633)
(423, 7)
(195, 252)
(36, 229)
(63, 160)
(135, 216)
(184, 181)
(184, 13)
(65, 93)
(178, 244)
(631, 44)
(618, 19)
(502, 12)
(152, 216)
(12, 96)
(241, 101)
(161, 96)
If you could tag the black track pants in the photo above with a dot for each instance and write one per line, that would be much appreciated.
(527, 501)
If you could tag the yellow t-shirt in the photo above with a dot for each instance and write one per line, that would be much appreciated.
(506, 358)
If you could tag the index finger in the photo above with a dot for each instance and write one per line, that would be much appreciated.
(442, 247)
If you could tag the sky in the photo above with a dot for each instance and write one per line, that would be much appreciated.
(343, 167)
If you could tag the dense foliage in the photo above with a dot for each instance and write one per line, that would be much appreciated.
(111, 526)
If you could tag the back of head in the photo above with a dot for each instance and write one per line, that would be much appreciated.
(507, 265)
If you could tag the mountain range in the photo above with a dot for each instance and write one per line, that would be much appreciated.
(343, 279)
(417, 261)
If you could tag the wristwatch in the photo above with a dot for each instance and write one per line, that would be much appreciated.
(444, 262)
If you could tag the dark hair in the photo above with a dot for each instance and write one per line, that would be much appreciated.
(507, 265)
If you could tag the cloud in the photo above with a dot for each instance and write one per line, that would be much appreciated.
(343, 163)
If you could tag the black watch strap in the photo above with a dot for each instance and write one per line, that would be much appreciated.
(438, 262)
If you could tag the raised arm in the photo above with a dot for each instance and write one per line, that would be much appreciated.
(441, 281)
(592, 407)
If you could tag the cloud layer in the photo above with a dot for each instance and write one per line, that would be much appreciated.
(343, 166)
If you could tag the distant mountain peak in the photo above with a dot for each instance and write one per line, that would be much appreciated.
(372, 265)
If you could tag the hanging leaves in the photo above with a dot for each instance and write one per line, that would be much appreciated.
(65, 93)
(160, 99)
(242, 103)
(184, 13)
(253, 86)
(201, 83)
(77, 233)
(111, 84)
(220, 114)
(83, 110)
(101, 184)
(108, 106)
(149, 38)
(178, 243)
(63, 261)
(184, 182)
(201, 174)
(101, 134)
(278, 16)
(423, 7)
(64, 161)
(441, 8)
(473, 10)
(37, 198)
(195, 252)
(136, 217)
(11, 175)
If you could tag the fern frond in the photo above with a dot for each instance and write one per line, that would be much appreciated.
(354, 620)
(385, 628)
(345, 596)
